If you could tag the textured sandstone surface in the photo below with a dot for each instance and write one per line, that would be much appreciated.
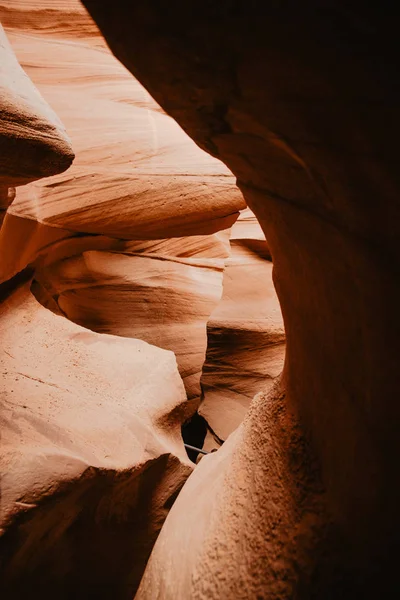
(91, 454)
(246, 349)
(233, 523)
(161, 298)
(33, 142)
(302, 105)
(136, 176)
(129, 244)
(300, 101)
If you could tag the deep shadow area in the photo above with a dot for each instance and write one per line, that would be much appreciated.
(194, 432)
(75, 528)
(300, 101)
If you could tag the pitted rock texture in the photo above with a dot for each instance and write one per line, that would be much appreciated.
(212, 524)
(300, 100)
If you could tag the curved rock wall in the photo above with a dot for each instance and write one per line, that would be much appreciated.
(301, 102)
(33, 142)
(246, 348)
(91, 451)
(91, 454)
(162, 299)
(130, 242)
(136, 176)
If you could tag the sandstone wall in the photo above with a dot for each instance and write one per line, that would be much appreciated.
(300, 101)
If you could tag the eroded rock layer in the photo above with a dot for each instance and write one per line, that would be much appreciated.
(33, 142)
(300, 100)
(246, 349)
(147, 294)
(137, 176)
(91, 454)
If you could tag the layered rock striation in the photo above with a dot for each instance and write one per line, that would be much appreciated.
(133, 245)
(92, 456)
(246, 339)
(300, 101)
(137, 178)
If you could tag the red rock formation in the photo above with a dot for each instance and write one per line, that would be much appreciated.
(91, 454)
(130, 155)
(300, 101)
(245, 350)
(163, 299)
(33, 142)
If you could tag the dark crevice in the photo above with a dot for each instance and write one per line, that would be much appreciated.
(11, 285)
(194, 432)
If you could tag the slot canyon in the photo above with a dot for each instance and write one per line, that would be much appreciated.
(199, 300)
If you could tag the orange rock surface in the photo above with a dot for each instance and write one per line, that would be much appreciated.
(246, 349)
(112, 270)
(90, 436)
(300, 100)
(92, 456)
(136, 176)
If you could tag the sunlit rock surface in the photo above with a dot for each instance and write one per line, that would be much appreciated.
(91, 454)
(144, 293)
(136, 176)
(33, 141)
(130, 243)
